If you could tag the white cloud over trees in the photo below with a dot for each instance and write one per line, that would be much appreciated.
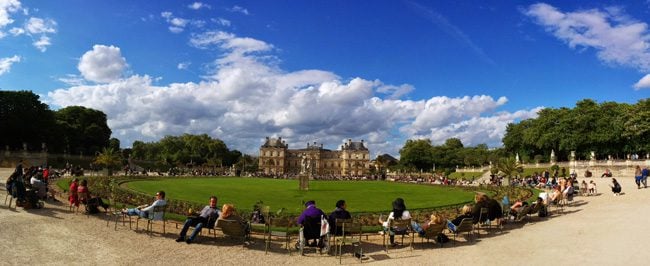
(102, 64)
(246, 97)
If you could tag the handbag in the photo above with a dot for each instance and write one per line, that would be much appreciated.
(324, 226)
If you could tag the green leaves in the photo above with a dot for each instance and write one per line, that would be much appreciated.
(608, 128)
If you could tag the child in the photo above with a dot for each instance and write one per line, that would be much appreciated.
(592, 188)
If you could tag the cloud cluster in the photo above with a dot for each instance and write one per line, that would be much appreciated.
(176, 24)
(5, 63)
(617, 39)
(198, 5)
(6, 8)
(238, 9)
(246, 97)
(102, 64)
(36, 28)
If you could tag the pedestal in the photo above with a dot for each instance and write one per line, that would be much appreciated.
(303, 182)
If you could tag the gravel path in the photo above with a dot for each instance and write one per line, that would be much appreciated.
(600, 230)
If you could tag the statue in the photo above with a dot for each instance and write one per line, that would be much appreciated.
(303, 178)
(552, 156)
(593, 155)
(304, 163)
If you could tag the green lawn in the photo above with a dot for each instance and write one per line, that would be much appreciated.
(466, 175)
(361, 196)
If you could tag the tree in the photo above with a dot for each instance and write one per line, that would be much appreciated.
(85, 129)
(417, 154)
(110, 159)
(508, 168)
(25, 119)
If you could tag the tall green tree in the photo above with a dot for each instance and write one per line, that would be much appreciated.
(25, 119)
(417, 154)
(85, 129)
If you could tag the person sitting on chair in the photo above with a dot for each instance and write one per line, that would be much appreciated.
(434, 219)
(517, 207)
(400, 213)
(208, 212)
(143, 210)
(339, 213)
(556, 195)
(228, 212)
(466, 212)
(481, 201)
(92, 203)
(311, 212)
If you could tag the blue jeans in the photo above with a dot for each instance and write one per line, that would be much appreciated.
(134, 211)
(198, 225)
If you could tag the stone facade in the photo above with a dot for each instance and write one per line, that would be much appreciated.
(353, 159)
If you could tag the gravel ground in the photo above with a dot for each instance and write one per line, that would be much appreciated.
(596, 230)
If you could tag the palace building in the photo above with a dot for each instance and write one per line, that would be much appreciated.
(353, 159)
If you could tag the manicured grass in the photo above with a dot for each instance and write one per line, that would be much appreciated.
(466, 175)
(361, 196)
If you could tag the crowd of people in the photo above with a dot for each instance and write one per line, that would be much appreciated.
(30, 185)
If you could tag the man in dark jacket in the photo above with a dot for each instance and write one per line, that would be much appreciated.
(339, 213)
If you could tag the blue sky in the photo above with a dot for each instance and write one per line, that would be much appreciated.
(325, 71)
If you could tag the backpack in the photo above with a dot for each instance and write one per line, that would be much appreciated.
(442, 238)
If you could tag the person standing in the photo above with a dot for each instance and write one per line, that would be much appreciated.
(638, 176)
(644, 177)
(616, 187)
(73, 197)
(207, 214)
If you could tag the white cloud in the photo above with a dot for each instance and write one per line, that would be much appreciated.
(38, 25)
(245, 98)
(176, 24)
(17, 31)
(166, 14)
(102, 64)
(183, 65)
(617, 38)
(198, 5)
(643, 83)
(229, 41)
(222, 21)
(238, 9)
(7, 7)
(395, 92)
(7, 62)
(73, 80)
(42, 43)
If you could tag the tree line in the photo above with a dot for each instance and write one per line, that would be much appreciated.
(25, 120)
(608, 128)
(421, 155)
(186, 150)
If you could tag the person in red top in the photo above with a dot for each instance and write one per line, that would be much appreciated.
(73, 197)
(46, 174)
(92, 203)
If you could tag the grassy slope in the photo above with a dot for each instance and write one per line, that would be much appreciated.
(367, 196)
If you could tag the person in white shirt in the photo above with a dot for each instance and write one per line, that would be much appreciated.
(400, 213)
(144, 210)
